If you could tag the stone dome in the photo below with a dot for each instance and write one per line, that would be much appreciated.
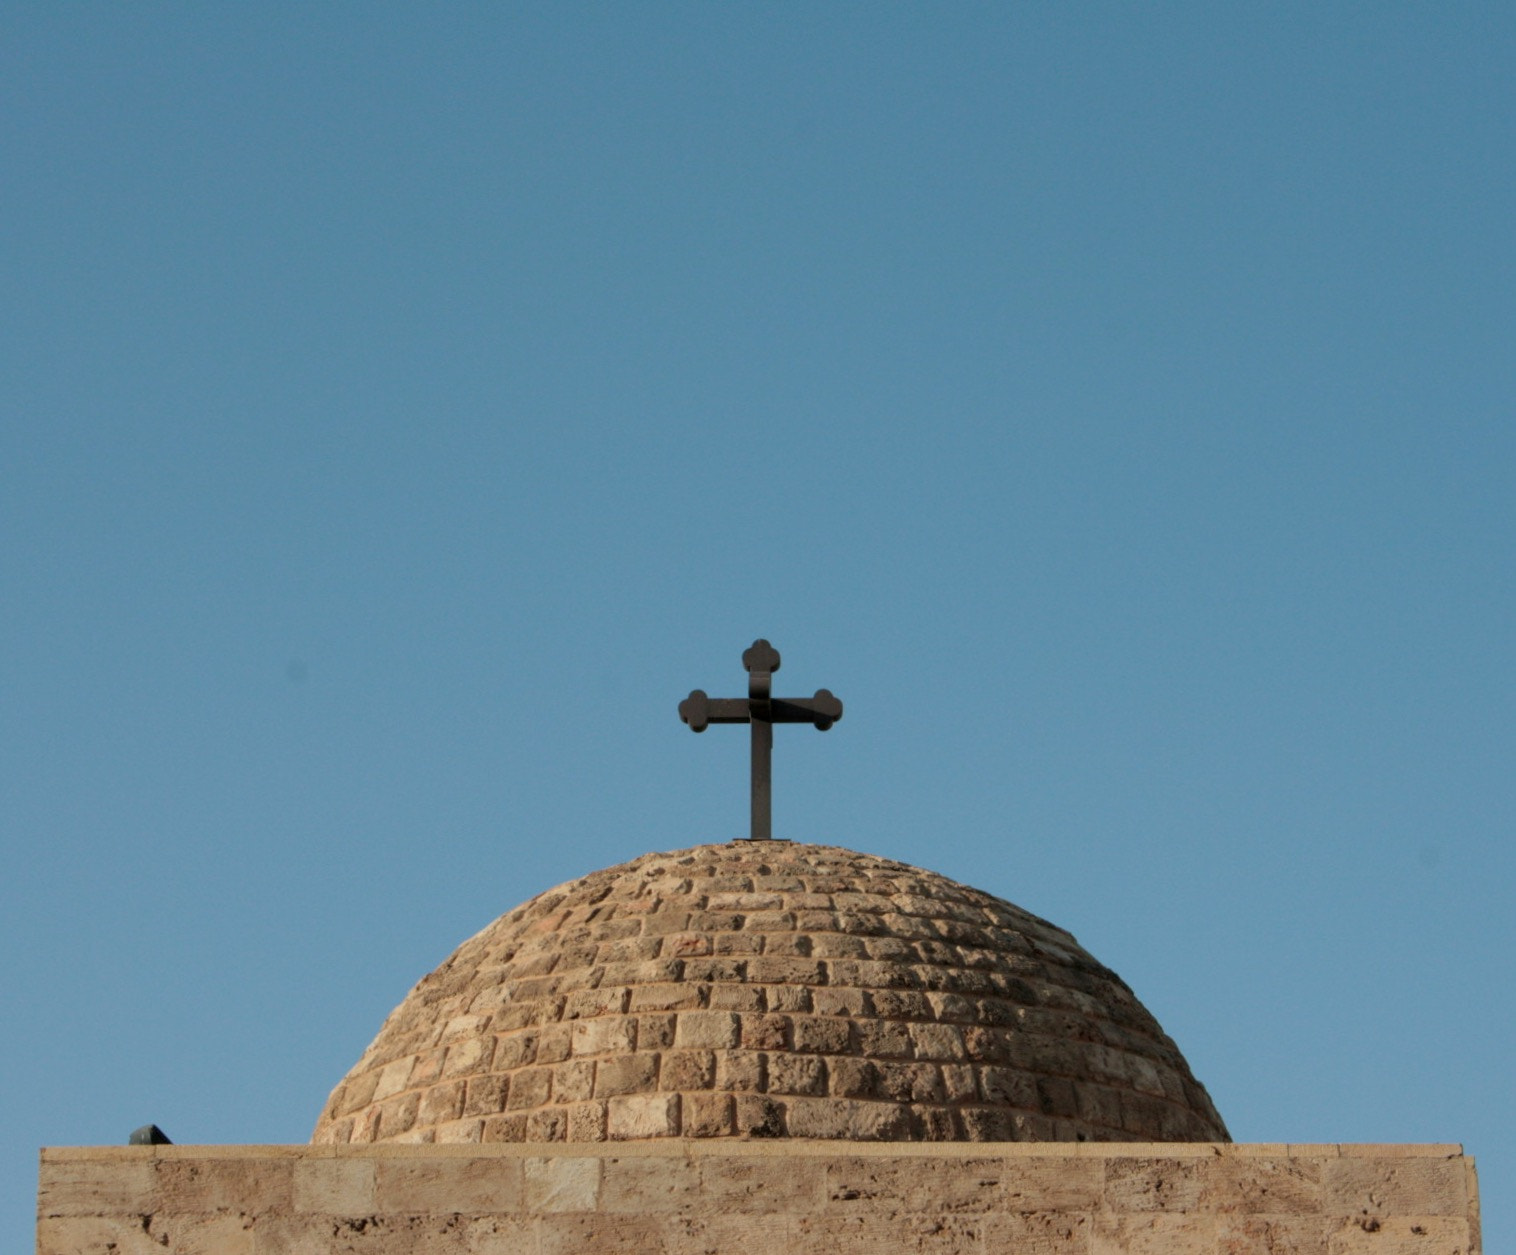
(769, 989)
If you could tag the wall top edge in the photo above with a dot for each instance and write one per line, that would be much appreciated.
(789, 1148)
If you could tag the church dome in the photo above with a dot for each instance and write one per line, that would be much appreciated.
(769, 989)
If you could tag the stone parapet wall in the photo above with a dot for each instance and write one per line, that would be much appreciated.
(759, 1198)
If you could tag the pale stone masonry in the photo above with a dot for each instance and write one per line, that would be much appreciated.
(770, 989)
(714, 1197)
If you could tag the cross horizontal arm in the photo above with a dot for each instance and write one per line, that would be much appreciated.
(699, 711)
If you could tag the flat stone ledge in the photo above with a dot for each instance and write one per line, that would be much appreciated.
(700, 1197)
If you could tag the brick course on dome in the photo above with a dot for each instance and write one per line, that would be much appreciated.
(769, 990)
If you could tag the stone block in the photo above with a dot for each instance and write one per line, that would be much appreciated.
(706, 1115)
(1152, 1234)
(741, 1071)
(592, 1003)
(796, 1074)
(737, 998)
(603, 1234)
(587, 1122)
(554, 1042)
(630, 1074)
(493, 1235)
(667, 997)
(656, 1032)
(485, 1095)
(441, 1103)
(530, 1087)
(573, 1081)
(444, 1183)
(759, 1116)
(1274, 1235)
(853, 1078)
(1038, 1184)
(611, 1034)
(687, 1070)
(821, 1034)
(145, 1235)
(515, 1050)
(393, 1078)
(649, 1185)
(942, 1042)
(92, 1188)
(463, 1058)
(547, 1124)
(643, 1115)
(339, 1187)
(871, 1234)
(1044, 1233)
(1163, 1185)
(765, 1032)
(763, 1185)
(562, 1183)
(247, 1186)
(706, 1030)
(1401, 1235)
(1266, 1186)
(790, 998)
(1407, 1187)
(847, 1118)
(916, 1185)
(883, 1039)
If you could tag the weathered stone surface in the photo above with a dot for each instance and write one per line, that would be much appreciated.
(689, 1197)
(799, 979)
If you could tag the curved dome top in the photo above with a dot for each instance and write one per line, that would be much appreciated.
(770, 990)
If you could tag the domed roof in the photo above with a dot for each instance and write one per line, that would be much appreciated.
(764, 989)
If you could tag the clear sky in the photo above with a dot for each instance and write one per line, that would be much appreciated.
(403, 407)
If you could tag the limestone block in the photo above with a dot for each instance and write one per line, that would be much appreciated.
(1415, 1187)
(90, 1188)
(562, 1184)
(629, 1074)
(415, 1186)
(144, 1235)
(496, 1235)
(914, 1185)
(529, 1088)
(1152, 1234)
(248, 1186)
(605, 1035)
(1040, 1233)
(1266, 1186)
(871, 1233)
(645, 1184)
(1401, 1235)
(643, 1115)
(1053, 1185)
(756, 1184)
(707, 1030)
(1270, 1235)
(343, 1187)
(706, 1115)
(610, 1234)
(1162, 1185)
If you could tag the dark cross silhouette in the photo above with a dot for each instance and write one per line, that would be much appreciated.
(763, 711)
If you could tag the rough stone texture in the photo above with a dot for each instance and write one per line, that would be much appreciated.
(769, 990)
(686, 1197)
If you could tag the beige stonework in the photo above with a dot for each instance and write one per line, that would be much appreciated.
(775, 990)
(687, 1197)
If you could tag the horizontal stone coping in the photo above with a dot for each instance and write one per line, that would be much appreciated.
(785, 1148)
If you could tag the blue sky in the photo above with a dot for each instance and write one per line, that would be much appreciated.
(402, 408)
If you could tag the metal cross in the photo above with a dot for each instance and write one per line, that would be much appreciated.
(763, 711)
